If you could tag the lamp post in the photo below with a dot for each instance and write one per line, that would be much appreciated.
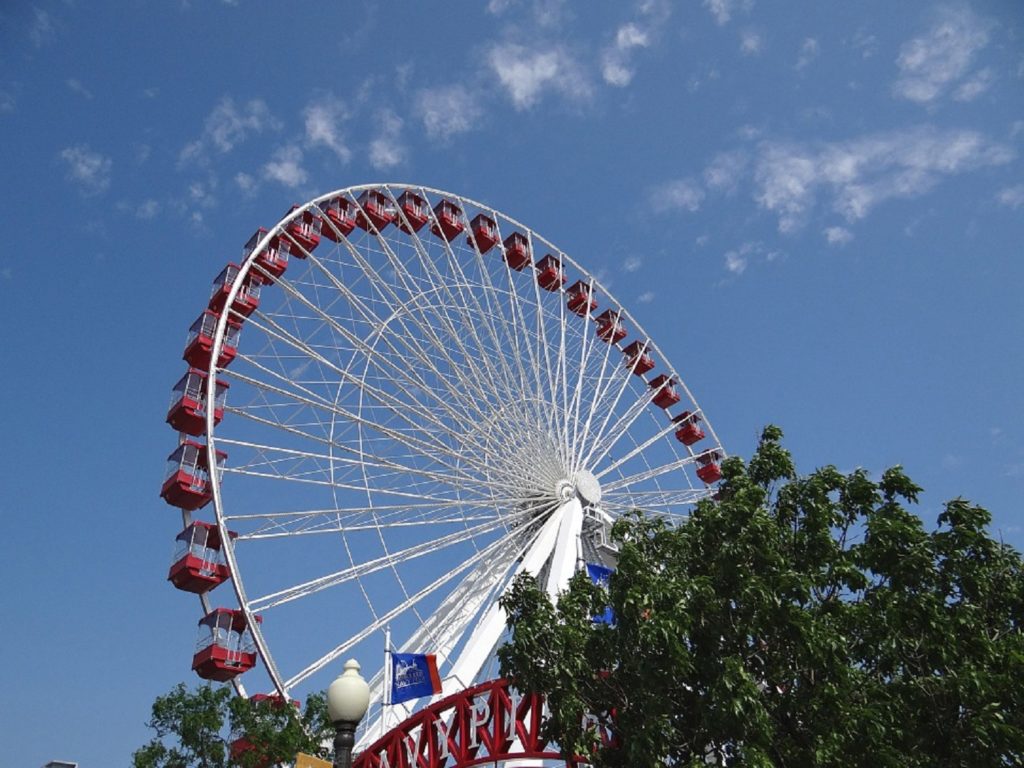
(348, 698)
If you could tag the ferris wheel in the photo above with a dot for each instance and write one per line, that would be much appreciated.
(396, 400)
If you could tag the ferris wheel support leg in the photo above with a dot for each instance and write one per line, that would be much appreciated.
(566, 556)
(486, 634)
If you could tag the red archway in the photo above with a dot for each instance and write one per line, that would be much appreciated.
(488, 723)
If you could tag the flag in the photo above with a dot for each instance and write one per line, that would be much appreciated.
(413, 675)
(599, 575)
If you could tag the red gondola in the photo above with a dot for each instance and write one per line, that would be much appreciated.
(416, 212)
(637, 359)
(242, 744)
(247, 298)
(273, 259)
(305, 231)
(225, 648)
(199, 346)
(188, 403)
(665, 395)
(449, 220)
(581, 299)
(274, 700)
(198, 563)
(517, 250)
(374, 208)
(689, 432)
(550, 275)
(610, 327)
(484, 232)
(707, 466)
(338, 219)
(187, 482)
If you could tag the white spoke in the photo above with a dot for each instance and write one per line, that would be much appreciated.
(640, 477)
(347, 574)
(636, 451)
(333, 654)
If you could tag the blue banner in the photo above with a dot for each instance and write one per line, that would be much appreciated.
(599, 575)
(413, 676)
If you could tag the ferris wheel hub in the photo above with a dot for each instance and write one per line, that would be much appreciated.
(584, 485)
(587, 486)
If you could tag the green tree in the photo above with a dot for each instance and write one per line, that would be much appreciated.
(795, 621)
(196, 729)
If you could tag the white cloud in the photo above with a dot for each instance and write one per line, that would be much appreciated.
(448, 111)
(787, 178)
(246, 183)
(679, 195)
(941, 57)
(615, 61)
(387, 150)
(147, 209)
(199, 196)
(749, 132)
(227, 126)
(735, 263)
(737, 260)
(8, 102)
(951, 461)
(725, 170)
(861, 173)
(866, 43)
(88, 169)
(631, 36)
(632, 263)
(527, 74)
(201, 193)
(816, 114)
(77, 87)
(616, 58)
(646, 297)
(548, 13)
(615, 72)
(751, 42)
(545, 13)
(698, 80)
(285, 166)
(838, 235)
(974, 86)
(40, 31)
(722, 10)
(1012, 197)
(808, 53)
(323, 119)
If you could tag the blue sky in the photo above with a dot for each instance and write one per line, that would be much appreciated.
(816, 211)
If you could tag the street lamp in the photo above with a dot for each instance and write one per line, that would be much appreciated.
(348, 698)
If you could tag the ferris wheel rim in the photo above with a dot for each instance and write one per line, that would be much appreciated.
(245, 269)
